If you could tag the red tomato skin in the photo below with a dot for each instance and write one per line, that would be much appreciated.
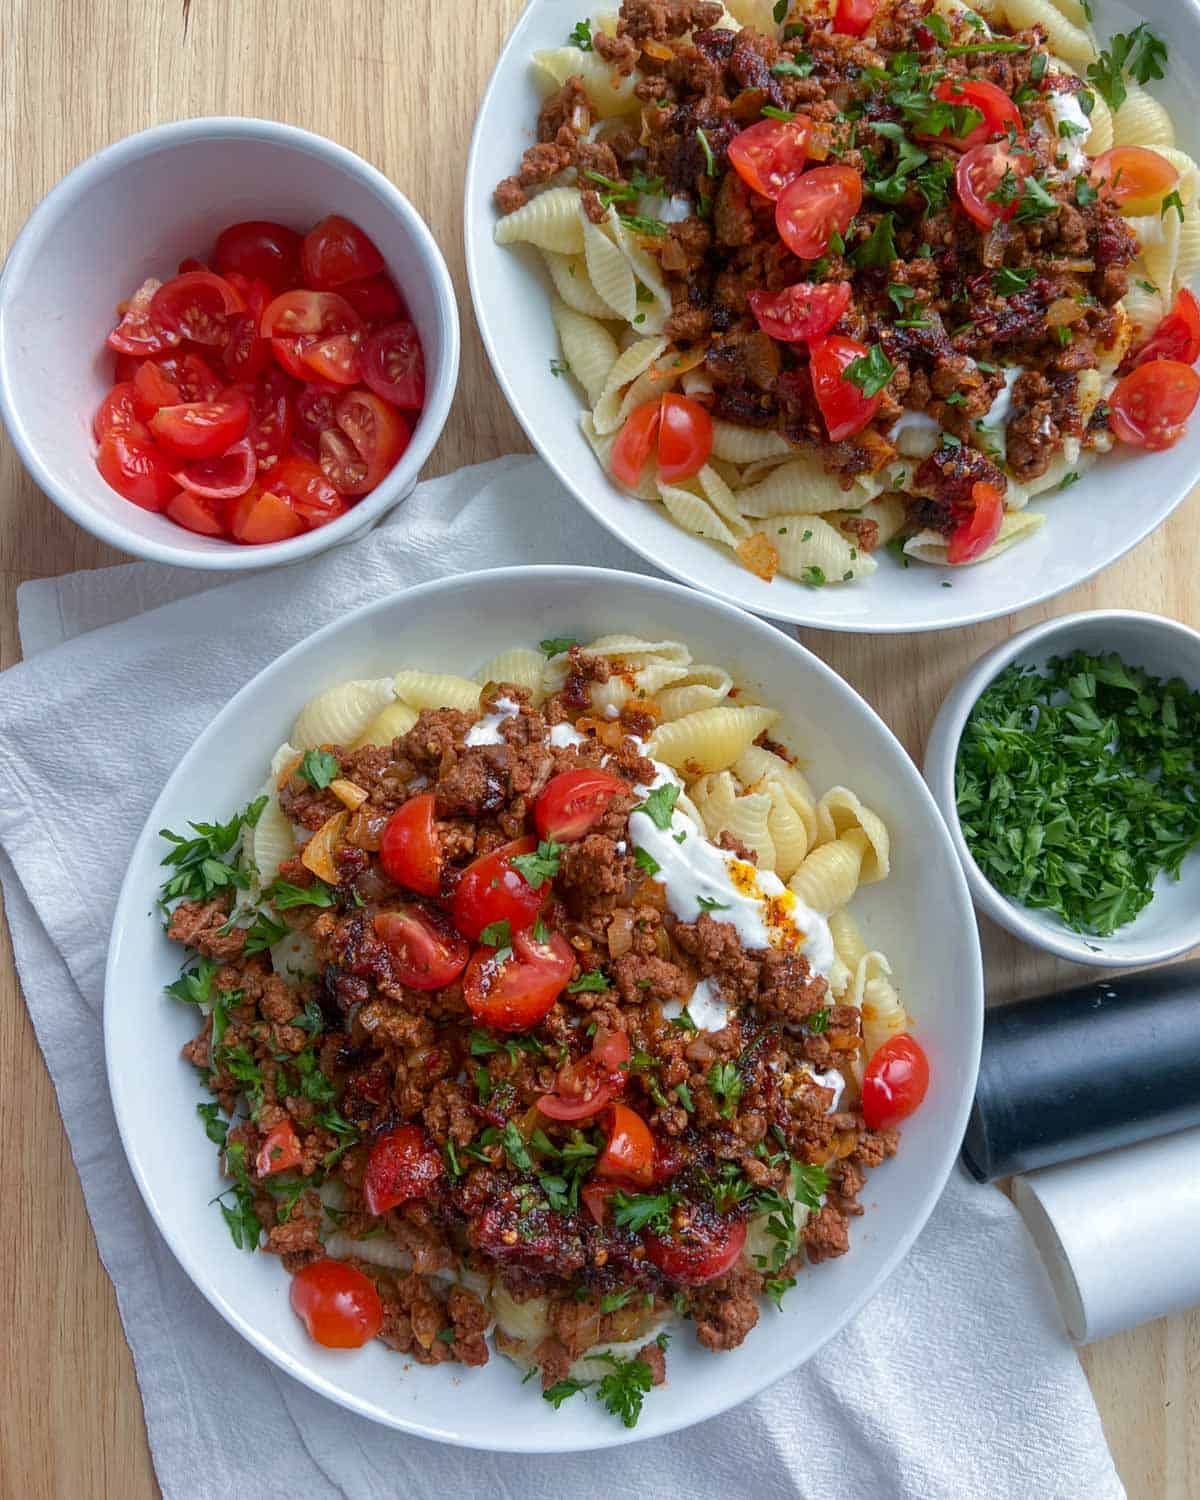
(854, 17)
(478, 903)
(426, 953)
(517, 994)
(998, 111)
(222, 478)
(979, 172)
(302, 313)
(195, 513)
(706, 1249)
(136, 469)
(685, 437)
(814, 206)
(202, 429)
(377, 300)
(191, 375)
(628, 1155)
(393, 366)
(895, 1082)
(1177, 336)
(152, 390)
(772, 153)
(138, 333)
(403, 1164)
(262, 250)
(336, 251)
(971, 538)
(372, 438)
(310, 494)
(584, 1088)
(335, 359)
(118, 413)
(197, 306)
(259, 518)
(409, 851)
(573, 802)
(1151, 405)
(844, 407)
(338, 1305)
(272, 417)
(280, 1151)
(1126, 173)
(802, 312)
(634, 442)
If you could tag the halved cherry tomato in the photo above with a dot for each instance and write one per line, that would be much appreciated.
(895, 1082)
(979, 177)
(492, 890)
(190, 263)
(628, 1155)
(394, 366)
(197, 514)
(582, 1089)
(118, 413)
(336, 251)
(197, 306)
(125, 368)
(816, 206)
(685, 438)
(136, 468)
(202, 429)
(316, 314)
(853, 17)
(515, 994)
(371, 438)
(139, 332)
(316, 412)
(1151, 405)
(191, 375)
(338, 1305)
(247, 353)
(289, 355)
(409, 850)
(634, 442)
(335, 359)
(801, 312)
(1134, 178)
(272, 417)
(843, 405)
(596, 1196)
(280, 1152)
(222, 478)
(403, 1164)
(152, 390)
(1177, 336)
(376, 300)
(998, 111)
(259, 517)
(426, 952)
(313, 498)
(771, 154)
(573, 801)
(703, 1249)
(262, 250)
(973, 536)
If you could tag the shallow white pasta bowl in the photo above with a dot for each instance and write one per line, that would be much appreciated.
(136, 209)
(1116, 504)
(1170, 925)
(921, 916)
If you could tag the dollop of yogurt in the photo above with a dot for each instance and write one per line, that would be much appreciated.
(564, 734)
(487, 730)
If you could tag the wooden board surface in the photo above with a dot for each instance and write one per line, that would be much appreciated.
(397, 81)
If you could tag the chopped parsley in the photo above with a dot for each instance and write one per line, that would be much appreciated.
(240, 1217)
(581, 36)
(870, 372)
(813, 576)
(563, 1390)
(1085, 193)
(1139, 52)
(555, 645)
(1035, 202)
(780, 10)
(777, 114)
(318, 768)
(710, 165)
(660, 804)
(726, 1085)
(683, 1021)
(498, 935)
(817, 1020)
(282, 894)
(640, 224)
(215, 1128)
(194, 986)
(591, 982)
(559, 367)
(515, 1148)
(798, 66)
(540, 866)
(710, 903)
(624, 1388)
(611, 1301)
(1010, 279)
(202, 864)
(1172, 201)
(1068, 480)
(879, 249)
(638, 1211)
(262, 933)
(646, 862)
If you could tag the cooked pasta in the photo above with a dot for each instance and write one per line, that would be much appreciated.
(340, 714)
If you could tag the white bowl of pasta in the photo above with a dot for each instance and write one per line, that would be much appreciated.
(442, 638)
(983, 348)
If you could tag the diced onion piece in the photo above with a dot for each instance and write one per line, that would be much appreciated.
(348, 794)
(318, 852)
(1062, 311)
(658, 50)
(620, 932)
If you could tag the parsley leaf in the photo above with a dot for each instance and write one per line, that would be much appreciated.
(1139, 52)
(710, 165)
(240, 1218)
(515, 1148)
(611, 1301)
(1035, 202)
(640, 224)
(202, 865)
(194, 985)
(817, 1020)
(624, 1388)
(870, 372)
(1172, 201)
(726, 1085)
(660, 804)
(563, 1390)
(318, 768)
(593, 980)
(638, 1211)
(581, 36)
(262, 932)
(540, 866)
(710, 903)
(497, 934)
(555, 645)
(880, 248)
(646, 862)
(282, 894)
(798, 66)
(1008, 280)
(215, 1128)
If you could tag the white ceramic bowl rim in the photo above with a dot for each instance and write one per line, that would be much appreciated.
(1032, 926)
(939, 1162)
(438, 396)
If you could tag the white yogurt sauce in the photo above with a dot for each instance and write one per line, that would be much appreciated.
(829, 1080)
(665, 210)
(1066, 108)
(1001, 408)
(487, 730)
(915, 434)
(564, 734)
(705, 1007)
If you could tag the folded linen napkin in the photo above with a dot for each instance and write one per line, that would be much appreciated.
(956, 1381)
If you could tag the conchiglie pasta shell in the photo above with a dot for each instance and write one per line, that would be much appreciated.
(746, 817)
(526, 1321)
(588, 348)
(1144, 309)
(743, 445)
(340, 714)
(758, 769)
(270, 841)
(702, 687)
(1100, 137)
(757, 14)
(930, 546)
(883, 1013)
(805, 542)
(609, 270)
(1142, 121)
(629, 365)
(1065, 39)
(829, 876)
(647, 680)
(569, 274)
(520, 666)
(656, 312)
(847, 938)
(436, 690)
(709, 740)
(722, 499)
(798, 488)
(651, 385)
(388, 725)
(550, 221)
(1187, 264)
(632, 651)
(887, 511)
(695, 515)
(840, 810)
(787, 830)
(609, 92)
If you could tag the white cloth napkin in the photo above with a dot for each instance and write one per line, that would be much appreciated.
(956, 1381)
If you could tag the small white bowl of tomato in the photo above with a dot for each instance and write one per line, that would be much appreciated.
(226, 343)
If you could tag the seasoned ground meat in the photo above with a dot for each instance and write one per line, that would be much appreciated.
(203, 925)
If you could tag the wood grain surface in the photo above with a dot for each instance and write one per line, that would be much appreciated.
(397, 81)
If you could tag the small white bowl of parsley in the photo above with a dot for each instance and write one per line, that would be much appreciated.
(1066, 763)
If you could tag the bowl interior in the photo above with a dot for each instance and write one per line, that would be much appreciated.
(456, 625)
(136, 211)
(1118, 502)
(1171, 922)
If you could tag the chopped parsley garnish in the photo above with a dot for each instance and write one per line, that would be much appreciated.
(640, 224)
(726, 1085)
(540, 866)
(497, 935)
(318, 768)
(215, 1128)
(611, 1301)
(660, 804)
(591, 982)
(555, 645)
(1172, 201)
(201, 864)
(870, 372)
(563, 1390)
(1139, 52)
(1078, 786)
(262, 933)
(638, 1211)
(817, 1021)
(1068, 480)
(880, 248)
(194, 986)
(798, 66)
(1009, 280)
(581, 36)
(346, 1132)
(1035, 202)
(684, 1095)
(624, 1388)
(780, 10)
(710, 903)
(240, 1218)
(939, 28)
(646, 862)
(282, 894)
(776, 1286)
(1006, 190)
(997, 44)
(777, 114)
(1037, 66)
(1085, 193)
(515, 1148)
(900, 294)
(683, 1021)
(559, 367)
(813, 576)
(710, 165)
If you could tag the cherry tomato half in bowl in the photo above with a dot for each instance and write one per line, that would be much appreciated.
(845, 406)
(259, 517)
(262, 250)
(197, 306)
(815, 207)
(573, 802)
(336, 251)
(202, 429)
(628, 1155)
(1151, 405)
(136, 469)
(583, 1088)
(338, 1305)
(369, 440)
(426, 952)
(802, 312)
(701, 1250)
(769, 155)
(512, 992)
(403, 1164)
(393, 366)
(1177, 336)
(409, 850)
(224, 477)
(493, 889)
